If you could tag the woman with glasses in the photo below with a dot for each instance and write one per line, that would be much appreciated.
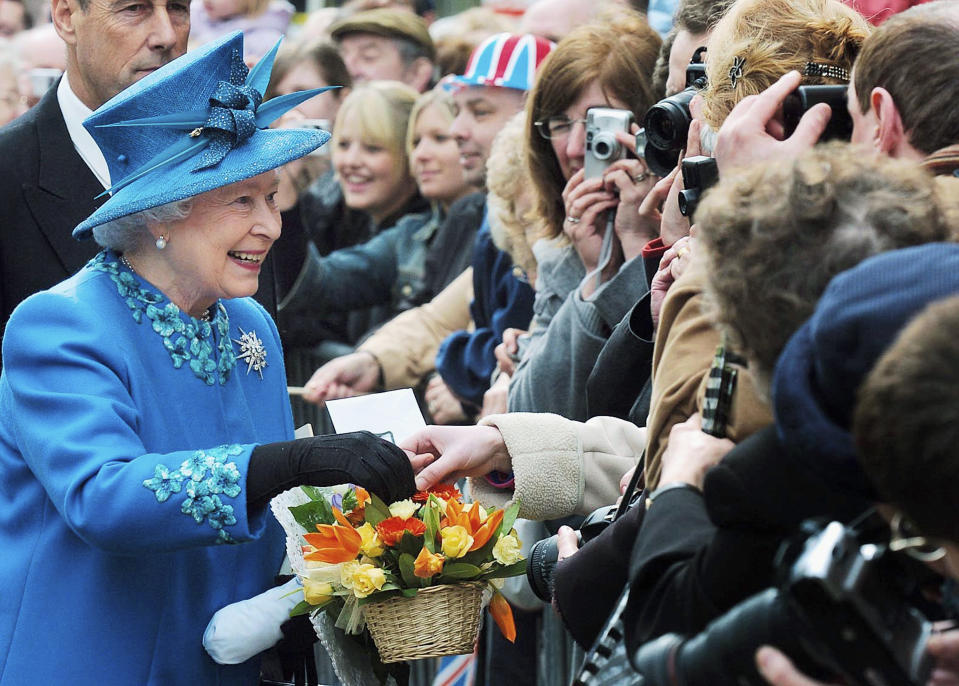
(592, 224)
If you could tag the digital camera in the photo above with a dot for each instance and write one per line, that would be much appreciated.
(799, 101)
(666, 124)
(699, 174)
(842, 609)
(602, 148)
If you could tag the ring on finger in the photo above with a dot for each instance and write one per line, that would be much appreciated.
(642, 176)
(682, 251)
(573, 220)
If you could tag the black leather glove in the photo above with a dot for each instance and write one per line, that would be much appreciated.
(358, 458)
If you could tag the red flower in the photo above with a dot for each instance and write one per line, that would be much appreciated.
(391, 530)
(444, 491)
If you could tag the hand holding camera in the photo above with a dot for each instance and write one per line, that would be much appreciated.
(752, 132)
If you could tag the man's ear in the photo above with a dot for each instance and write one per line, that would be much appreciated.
(62, 13)
(420, 73)
(890, 135)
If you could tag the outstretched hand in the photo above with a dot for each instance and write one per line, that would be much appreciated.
(456, 452)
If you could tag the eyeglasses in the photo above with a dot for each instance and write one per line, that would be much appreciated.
(557, 126)
(907, 539)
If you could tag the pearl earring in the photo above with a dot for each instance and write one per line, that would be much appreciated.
(161, 243)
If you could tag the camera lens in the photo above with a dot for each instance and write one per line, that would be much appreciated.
(540, 564)
(605, 147)
(667, 122)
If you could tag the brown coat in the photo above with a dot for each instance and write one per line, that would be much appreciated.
(686, 343)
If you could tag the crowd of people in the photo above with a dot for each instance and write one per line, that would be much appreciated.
(217, 208)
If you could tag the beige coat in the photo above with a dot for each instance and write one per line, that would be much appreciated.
(406, 345)
(562, 467)
(686, 343)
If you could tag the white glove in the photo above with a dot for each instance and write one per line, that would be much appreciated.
(239, 631)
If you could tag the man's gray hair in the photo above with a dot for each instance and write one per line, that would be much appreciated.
(130, 232)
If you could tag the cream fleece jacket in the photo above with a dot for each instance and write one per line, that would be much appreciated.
(562, 467)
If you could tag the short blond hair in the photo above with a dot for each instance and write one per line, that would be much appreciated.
(772, 37)
(443, 102)
(381, 110)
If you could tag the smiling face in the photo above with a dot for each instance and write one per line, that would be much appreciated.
(435, 159)
(114, 43)
(571, 148)
(217, 251)
(481, 111)
(371, 176)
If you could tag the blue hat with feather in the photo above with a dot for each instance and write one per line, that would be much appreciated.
(195, 124)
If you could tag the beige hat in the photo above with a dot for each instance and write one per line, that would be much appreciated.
(389, 23)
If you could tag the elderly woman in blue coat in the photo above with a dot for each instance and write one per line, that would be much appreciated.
(145, 422)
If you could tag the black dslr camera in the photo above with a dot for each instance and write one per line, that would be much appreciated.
(841, 609)
(543, 555)
(799, 101)
(666, 124)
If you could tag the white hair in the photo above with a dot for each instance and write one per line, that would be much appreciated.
(130, 232)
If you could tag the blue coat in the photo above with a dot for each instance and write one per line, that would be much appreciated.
(126, 433)
(501, 300)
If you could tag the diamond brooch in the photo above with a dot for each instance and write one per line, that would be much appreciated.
(252, 351)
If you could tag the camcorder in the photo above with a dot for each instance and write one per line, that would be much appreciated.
(843, 608)
(666, 124)
(602, 148)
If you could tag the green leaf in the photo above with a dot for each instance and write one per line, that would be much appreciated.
(499, 572)
(509, 518)
(406, 570)
(410, 544)
(480, 555)
(308, 515)
(350, 502)
(313, 492)
(376, 510)
(302, 608)
(432, 520)
(409, 592)
(461, 571)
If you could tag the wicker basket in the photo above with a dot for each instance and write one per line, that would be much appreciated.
(439, 620)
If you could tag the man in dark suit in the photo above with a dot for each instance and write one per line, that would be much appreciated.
(50, 169)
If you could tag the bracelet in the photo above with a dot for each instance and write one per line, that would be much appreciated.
(672, 486)
(500, 479)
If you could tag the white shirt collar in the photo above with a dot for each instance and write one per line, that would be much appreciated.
(74, 112)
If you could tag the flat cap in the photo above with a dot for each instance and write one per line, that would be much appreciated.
(389, 23)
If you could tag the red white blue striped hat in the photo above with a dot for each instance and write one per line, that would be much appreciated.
(505, 60)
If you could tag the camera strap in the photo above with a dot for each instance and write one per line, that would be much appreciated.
(605, 253)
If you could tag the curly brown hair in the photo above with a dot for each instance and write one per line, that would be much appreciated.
(619, 55)
(772, 37)
(774, 234)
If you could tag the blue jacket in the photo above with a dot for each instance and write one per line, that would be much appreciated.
(501, 301)
(126, 437)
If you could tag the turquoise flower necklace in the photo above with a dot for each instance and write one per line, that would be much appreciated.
(185, 338)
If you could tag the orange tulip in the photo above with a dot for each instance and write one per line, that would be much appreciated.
(333, 543)
(482, 535)
(427, 564)
(503, 616)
